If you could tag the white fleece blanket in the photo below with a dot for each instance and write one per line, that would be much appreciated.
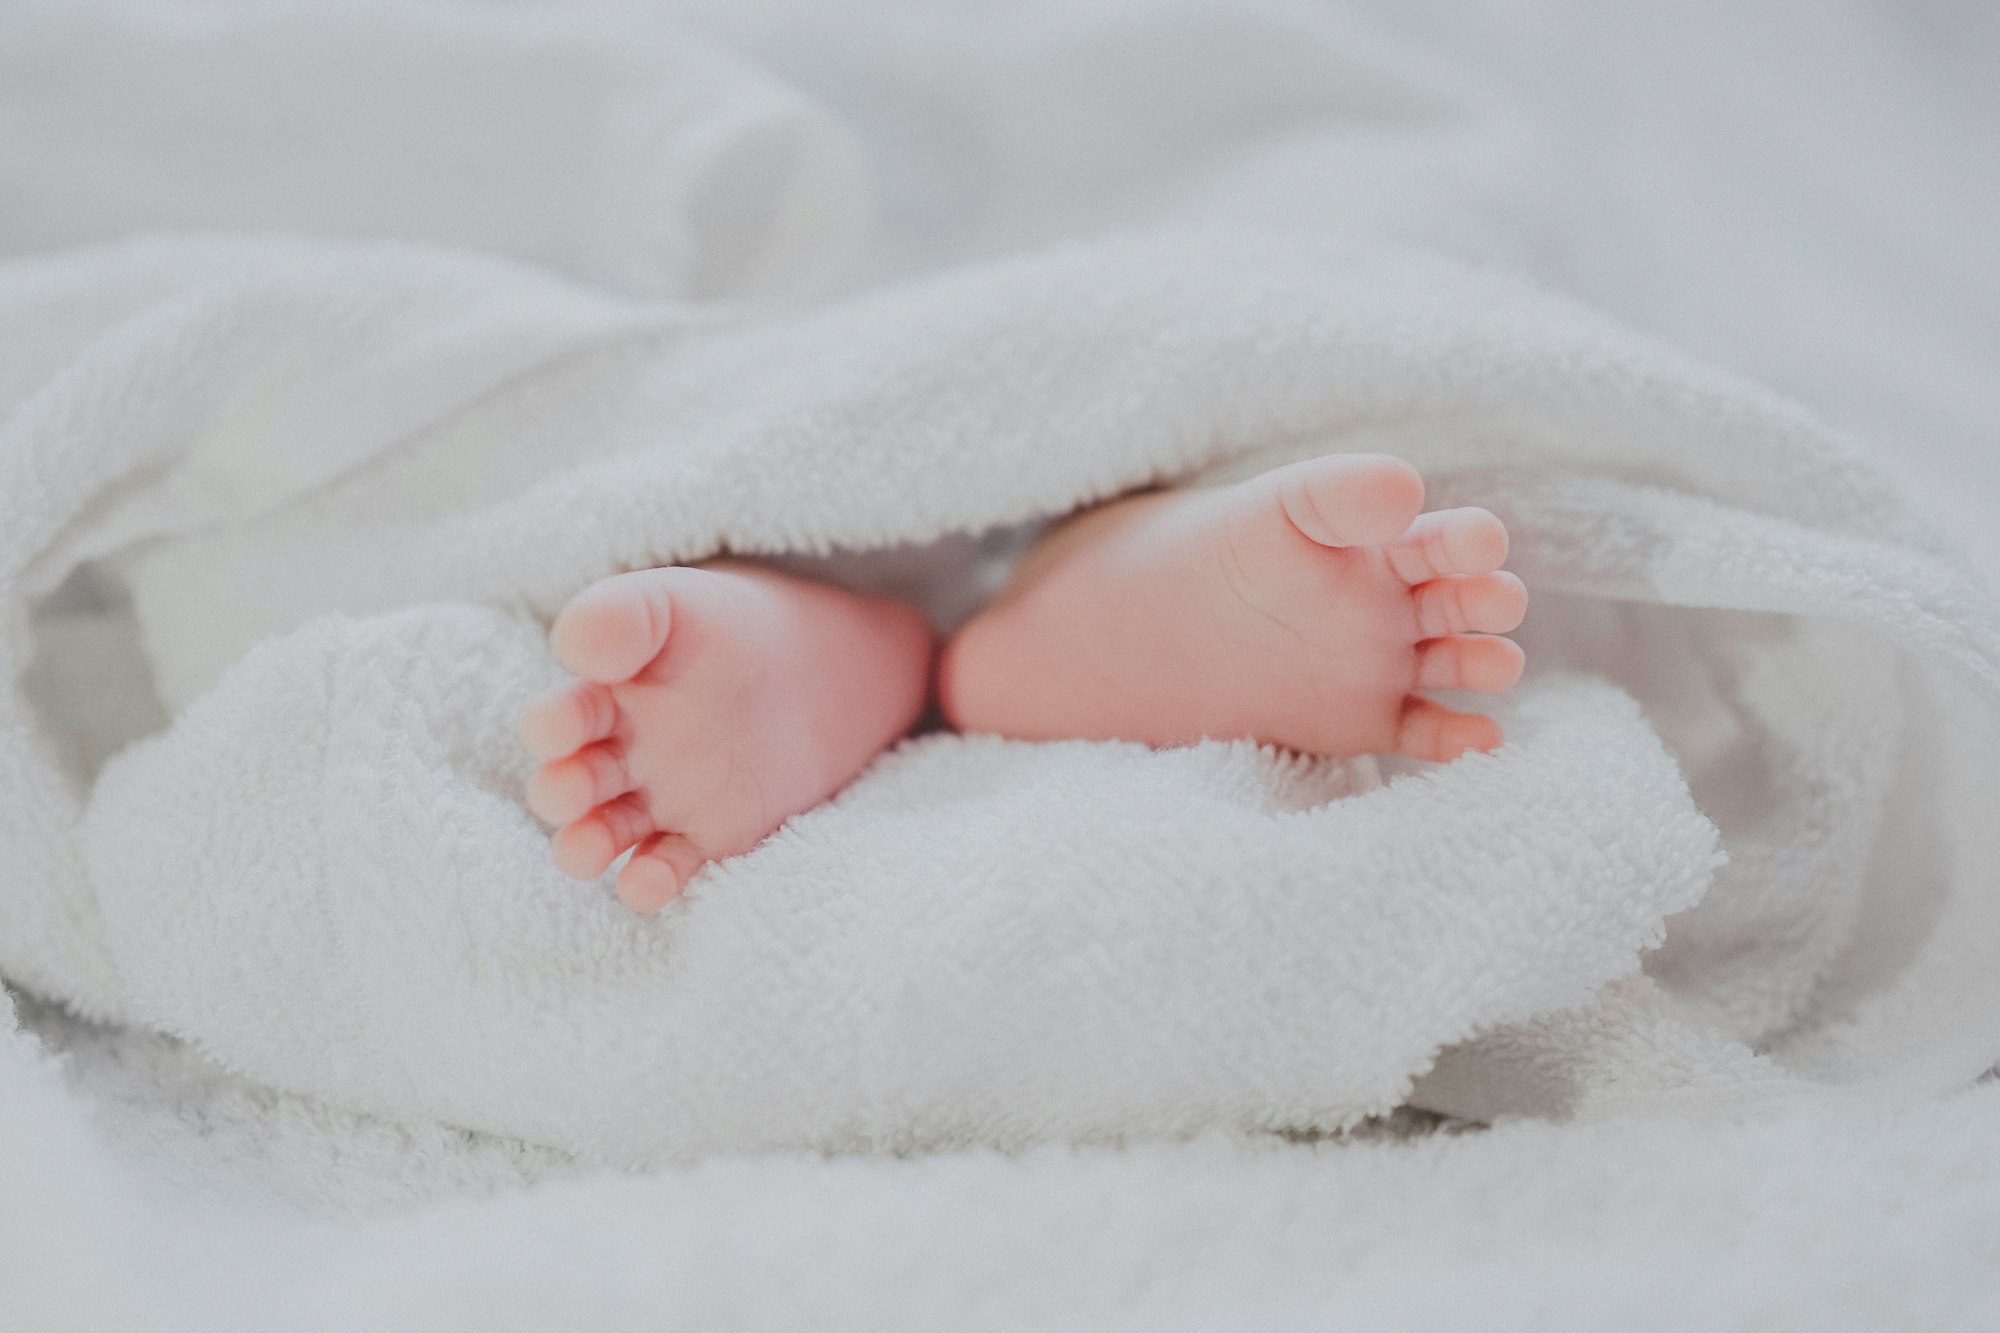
(536, 297)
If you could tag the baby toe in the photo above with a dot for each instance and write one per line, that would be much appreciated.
(1432, 732)
(1449, 542)
(563, 721)
(613, 628)
(1476, 662)
(569, 788)
(1350, 499)
(658, 872)
(1476, 604)
(586, 848)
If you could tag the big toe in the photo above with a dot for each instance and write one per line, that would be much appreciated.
(1351, 499)
(612, 629)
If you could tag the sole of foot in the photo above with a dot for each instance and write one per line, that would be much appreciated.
(1311, 607)
(712, 703)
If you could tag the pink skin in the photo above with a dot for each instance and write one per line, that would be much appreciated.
(1303, 608)
(713, 704)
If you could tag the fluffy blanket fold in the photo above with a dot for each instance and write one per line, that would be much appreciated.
(320, 873)
(283, 517)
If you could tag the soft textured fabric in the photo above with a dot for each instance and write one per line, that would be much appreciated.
(285, 504)
(1822, 1214)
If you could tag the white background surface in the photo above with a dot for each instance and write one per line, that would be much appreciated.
(1826, 212)
(1825, 217)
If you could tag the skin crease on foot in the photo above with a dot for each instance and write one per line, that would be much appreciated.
(1306, 608)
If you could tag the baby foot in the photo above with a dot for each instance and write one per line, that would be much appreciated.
(1303, 608)
(715, 702)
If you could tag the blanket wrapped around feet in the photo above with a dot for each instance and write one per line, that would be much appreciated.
(286, 518)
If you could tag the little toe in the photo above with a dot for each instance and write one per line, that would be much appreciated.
(1449, 542)
(563, 721)
(586, 848)
(1433, 732)
(1478, 662)
(658, 872)
(1477, 604)
(613, 628)
(1350, 499)
(569, 788)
